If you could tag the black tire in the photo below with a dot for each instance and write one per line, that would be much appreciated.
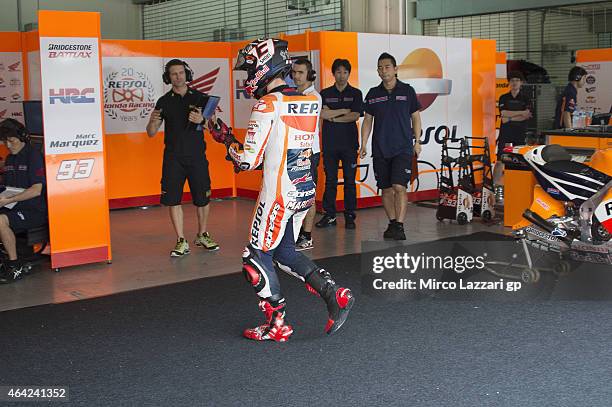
(528, 275)
(462, 218)
(563, 267)
(598, 231)
(486, 216)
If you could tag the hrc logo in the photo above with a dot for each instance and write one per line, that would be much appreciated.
(71, 95)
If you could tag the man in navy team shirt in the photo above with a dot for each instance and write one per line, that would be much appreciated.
(24, 168)
(393, 108)
(342, 107)
(566, 103)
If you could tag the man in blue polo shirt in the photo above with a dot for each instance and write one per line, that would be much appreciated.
(566, 103)
(342, 107)
(394, 109)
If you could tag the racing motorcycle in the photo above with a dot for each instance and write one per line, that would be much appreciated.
(571, 211)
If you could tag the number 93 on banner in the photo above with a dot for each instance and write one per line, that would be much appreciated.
(75, 169)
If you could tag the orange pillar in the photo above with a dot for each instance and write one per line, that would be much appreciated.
(74, 143)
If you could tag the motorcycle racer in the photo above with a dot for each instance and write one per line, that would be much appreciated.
(280, 134)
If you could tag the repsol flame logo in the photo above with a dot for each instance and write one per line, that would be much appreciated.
(422, 69)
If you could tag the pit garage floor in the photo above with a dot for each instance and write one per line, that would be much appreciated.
(143, 238)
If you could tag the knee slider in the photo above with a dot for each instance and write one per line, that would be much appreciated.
(253, 270)
(251, 274)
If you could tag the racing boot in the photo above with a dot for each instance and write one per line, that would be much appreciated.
(339, 300)
(275, 328)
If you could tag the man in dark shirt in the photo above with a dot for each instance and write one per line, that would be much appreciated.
(24, 169)
(304, 76)
(342, 107)
(184, 154)
(394, 109)
(566, 103)
(515, 108)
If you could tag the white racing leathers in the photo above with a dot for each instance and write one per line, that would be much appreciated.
(280, 135)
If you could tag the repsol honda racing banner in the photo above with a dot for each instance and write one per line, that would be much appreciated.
(74, 145)
(132, 85)
(131, 88)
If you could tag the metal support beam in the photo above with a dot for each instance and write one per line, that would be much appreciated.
(435, 9)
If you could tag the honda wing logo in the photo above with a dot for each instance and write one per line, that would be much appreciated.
(205, 82)
(71, 95)
(15, 67)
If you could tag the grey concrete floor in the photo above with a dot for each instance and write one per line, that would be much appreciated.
(143, 238)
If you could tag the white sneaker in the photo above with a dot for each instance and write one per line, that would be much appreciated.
(181, 248)
(303, 243)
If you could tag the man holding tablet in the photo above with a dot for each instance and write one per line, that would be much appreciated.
(182, 111)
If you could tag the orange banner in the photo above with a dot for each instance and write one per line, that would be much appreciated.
(74, 144)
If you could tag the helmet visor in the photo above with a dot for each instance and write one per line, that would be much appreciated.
(245, 62)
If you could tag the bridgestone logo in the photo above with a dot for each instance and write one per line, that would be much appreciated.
(69, 47)
(541, 234)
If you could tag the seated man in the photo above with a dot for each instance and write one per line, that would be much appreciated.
(24, 168)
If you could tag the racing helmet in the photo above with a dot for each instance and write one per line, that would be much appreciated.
(263, 60)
